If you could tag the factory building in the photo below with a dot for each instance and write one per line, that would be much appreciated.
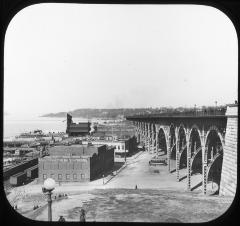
(80, 129)
(76, 163)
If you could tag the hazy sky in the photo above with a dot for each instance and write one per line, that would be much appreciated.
(60, 57)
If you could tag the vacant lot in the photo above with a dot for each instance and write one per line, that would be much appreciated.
(142, 205)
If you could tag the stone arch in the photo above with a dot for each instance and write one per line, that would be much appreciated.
(195, 150)
(181, 126)
(196, 163)
(182, 137)
(213, 133)
(214, 173)
(198, 130)
(192, 143)
(172, 135)
(162, 140)
(214, 147)
(213, 127)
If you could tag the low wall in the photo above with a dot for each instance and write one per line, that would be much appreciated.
(229, 168)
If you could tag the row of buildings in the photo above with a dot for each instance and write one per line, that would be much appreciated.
(82, 154)
(86, 154)
(84, 162)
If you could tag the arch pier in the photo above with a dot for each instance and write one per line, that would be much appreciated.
(201, 145)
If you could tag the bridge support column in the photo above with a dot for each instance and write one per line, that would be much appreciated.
(152, 140)
(138, 136)
(204, 164)
(149, 144)
(189, 173)
(145, 142)
(154, 145)
(177, 165)
(188, 164)
(156, 139)
(177, 155)
(205, 177)
(169, 155)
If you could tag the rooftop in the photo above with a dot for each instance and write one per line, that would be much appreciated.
(74, 150)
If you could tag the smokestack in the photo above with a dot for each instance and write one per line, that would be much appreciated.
(91, 129)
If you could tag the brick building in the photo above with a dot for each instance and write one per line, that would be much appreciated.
(76, 163)
(80, 129)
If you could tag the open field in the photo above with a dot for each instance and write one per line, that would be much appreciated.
(142, 205)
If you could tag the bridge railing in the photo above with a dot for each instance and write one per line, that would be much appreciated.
(195, 112)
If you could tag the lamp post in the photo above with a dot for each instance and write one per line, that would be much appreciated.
(48, 187)
(215, 107)
(125, 156)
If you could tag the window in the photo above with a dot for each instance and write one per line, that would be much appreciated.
(74, 176)
(59, 176)
(46, 165)
(68, 176)
(123, 147)
(52, 176)
(82, 176)
(59, 165)
(44, 176)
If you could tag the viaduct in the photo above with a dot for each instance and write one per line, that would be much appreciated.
(202, 142)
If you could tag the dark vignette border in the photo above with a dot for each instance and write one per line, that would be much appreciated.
(8, 9)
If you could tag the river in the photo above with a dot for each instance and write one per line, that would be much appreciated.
(13, 126)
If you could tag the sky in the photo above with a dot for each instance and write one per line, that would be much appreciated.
(61, 57)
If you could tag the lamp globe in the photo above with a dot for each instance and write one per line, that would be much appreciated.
(49, 184)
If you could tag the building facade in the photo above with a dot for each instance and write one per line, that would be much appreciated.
(80, 129)
(76, 163)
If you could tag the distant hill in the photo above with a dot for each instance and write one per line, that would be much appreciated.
(123, 112)
(102, 113)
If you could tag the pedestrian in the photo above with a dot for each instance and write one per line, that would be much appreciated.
(136, 187)
(82, 215)
(62, 219)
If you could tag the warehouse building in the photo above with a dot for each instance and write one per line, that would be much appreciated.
(76, 163)
(80, 129)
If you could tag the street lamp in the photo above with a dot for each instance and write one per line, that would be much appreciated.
(125, 155)
(48, 187)
(215, 107)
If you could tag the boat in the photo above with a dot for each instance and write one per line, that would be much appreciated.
(32, 134)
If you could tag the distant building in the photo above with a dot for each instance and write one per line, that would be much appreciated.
(76, 163)
(122, 147)
(98, 136)
(80, 129)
